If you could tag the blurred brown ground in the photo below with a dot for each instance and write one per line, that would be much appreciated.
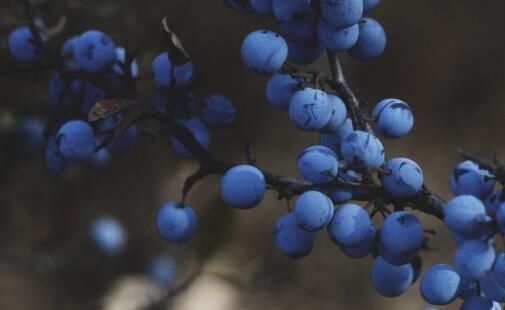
(445, 58)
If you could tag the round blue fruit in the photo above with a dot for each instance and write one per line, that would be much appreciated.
(309, 109)
(243, 187)
(393, 117)
(176, 222)
(302, 29)
(318, 164)
(305, 53)
(360, 147)
(288, 10)
(342, 13)
(94, 51)
(264, 51)
(337, 39)
(334, 141)
(371, 41)
(474, 259)
(404, 179)
(164, 76)
(280, 89)
(397, 259)
(350, 225)
(264, 7)
(363, 248)
(390, 280)
(402, 233)
(291, 239)
(313, 210)
(200, 132)
(218, 111)
(468, 179)
(338, 115)
(108, 235)
(464, 214)
(440, 285)
(22, 45)
(76, 140)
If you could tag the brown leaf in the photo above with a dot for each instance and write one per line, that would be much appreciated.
(107, 107)
(177, 52)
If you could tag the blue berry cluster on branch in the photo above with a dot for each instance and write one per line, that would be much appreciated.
(97, 112)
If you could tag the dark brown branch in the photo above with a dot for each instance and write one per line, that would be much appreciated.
(425, 201)
(339, 84)
(358, 114)
(191, 181)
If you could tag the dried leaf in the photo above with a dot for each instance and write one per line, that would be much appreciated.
(131, 110)
(177, 52)
(107, 107)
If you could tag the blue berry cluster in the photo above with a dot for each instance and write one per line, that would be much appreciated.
(349, 155)
(475, 218)
(86, 65)
(308, 28)
(346, 150)
(89, 68)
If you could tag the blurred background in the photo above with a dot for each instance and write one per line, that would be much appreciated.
(446, 59)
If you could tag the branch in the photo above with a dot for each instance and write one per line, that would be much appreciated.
(358, 117)
(339, 84)
(425, 200)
